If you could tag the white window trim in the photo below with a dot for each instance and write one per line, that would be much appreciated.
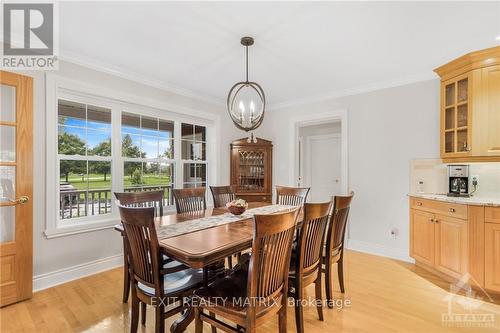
(58, 87)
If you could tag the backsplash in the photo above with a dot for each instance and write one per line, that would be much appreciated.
(434, 175)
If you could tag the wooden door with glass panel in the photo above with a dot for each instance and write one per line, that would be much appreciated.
(455, 117)
(16, 231)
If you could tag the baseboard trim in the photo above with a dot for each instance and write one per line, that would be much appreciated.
(379, 250)
(51, 279)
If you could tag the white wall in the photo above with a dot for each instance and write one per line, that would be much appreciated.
(387, 129)
(60, 258)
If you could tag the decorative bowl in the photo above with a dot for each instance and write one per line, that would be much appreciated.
(237, 207)
(235, 210)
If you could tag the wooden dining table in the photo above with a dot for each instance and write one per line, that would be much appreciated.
(204, 248)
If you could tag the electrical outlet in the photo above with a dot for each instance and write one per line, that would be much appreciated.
(394, 233)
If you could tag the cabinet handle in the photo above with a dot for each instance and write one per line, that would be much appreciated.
(419, 203)
(452, 210)
(436, 221)
(431, 219)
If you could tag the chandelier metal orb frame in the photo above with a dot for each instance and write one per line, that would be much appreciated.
(243, 113)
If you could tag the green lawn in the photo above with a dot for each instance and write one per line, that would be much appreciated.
(96, 181)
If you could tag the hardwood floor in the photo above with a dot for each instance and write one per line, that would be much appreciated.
(385, 296)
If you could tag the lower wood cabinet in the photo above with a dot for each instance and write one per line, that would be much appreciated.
(455, 239)
(451, 246)
(422, 238)
(492, 256)
(439, 241)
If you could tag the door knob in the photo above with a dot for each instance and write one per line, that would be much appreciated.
(21, 200)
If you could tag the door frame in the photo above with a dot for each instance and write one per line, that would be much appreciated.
(309, 119)
(307, 174)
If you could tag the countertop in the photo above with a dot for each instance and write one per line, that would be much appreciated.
(473, 200)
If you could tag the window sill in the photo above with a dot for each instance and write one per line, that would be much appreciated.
(81, 228)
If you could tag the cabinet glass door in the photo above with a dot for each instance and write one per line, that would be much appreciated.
(251, 170)
(449, 118)
(456, 116)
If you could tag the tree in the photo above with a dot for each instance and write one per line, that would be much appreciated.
(102, 149)
(137, 177)
(130, 150)
(70, 144)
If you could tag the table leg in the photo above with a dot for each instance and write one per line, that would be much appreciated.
(205, 276)
(187, 316)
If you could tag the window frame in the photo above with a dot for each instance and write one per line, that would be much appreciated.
(195, 161)
(71, 90)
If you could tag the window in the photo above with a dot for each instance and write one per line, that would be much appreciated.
(193, 143)
(84, 147)
(97, 146)
(148, 154)
(106, 147)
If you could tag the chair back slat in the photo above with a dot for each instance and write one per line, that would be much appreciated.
(292, 196)
(190, 199)
(338, 222)
(222, 195)
(142, 199)
(144, 247)
(271, 252)
(311, 235)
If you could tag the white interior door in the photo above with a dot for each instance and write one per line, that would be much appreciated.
(323, 166)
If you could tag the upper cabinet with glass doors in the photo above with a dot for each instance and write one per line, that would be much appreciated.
(470, 107)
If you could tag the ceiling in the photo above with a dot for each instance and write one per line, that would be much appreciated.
(302, 50)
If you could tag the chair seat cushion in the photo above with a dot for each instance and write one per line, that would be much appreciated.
(177, 282)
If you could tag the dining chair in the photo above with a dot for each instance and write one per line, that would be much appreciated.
(190, 199)
(256, 293)
(305, 266)
(141, 199)
(222, 195)
(334, 244)
(293, 196)
(151, 283)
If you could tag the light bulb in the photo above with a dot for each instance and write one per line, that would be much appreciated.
(252, 107)
(242, 108)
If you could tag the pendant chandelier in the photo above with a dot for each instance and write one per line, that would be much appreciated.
(246, 102)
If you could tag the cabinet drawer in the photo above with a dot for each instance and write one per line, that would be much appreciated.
(492, 214)
(255, 197)
(440, 207)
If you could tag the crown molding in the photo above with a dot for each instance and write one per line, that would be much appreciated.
(136, 77)
(354, 91)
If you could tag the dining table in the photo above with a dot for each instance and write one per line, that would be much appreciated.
(206, 248)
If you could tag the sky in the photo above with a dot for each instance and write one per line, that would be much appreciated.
(149, 140)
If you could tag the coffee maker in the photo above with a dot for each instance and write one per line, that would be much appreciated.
(458, 181)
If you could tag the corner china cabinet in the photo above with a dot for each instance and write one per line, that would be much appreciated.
(470, 107)
(251, 169)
